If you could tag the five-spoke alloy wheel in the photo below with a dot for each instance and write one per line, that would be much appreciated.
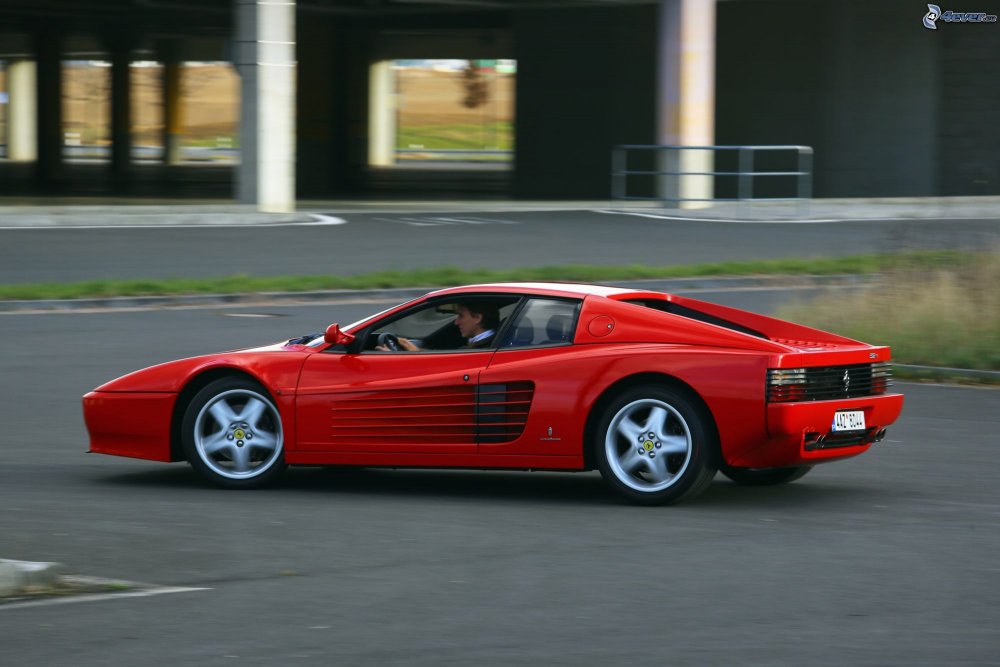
(654, 445)
(232, 434)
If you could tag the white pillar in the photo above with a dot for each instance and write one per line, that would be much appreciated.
(686, 94)
(381, 115)
(265, 60)
(22, 119)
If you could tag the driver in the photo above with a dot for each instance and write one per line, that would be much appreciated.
(476, 320)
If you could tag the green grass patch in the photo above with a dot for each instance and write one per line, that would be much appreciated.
(935, 308)
(478, 136)
(448, 276)
(222, 141)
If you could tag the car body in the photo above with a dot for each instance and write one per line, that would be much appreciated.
(656, 390)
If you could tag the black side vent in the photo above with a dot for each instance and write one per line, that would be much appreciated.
(502, 411)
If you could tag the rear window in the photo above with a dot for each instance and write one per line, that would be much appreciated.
(692, 314)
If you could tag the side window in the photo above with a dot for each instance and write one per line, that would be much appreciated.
(438, 327)
(544, 322)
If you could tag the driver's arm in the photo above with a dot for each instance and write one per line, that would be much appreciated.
(404, 343)
(408, 345)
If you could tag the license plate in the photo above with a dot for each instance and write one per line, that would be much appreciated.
(849, 420)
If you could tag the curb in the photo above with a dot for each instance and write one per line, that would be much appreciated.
(21, 576)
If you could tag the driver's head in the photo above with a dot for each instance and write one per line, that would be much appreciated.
(475, 317)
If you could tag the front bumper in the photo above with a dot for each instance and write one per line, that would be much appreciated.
(129, 424)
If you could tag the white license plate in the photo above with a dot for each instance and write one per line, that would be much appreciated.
(849, 420)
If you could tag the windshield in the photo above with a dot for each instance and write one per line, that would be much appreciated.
(316, 342)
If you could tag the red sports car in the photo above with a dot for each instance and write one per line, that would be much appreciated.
(656, 391)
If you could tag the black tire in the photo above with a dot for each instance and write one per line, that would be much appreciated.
(764, 476)
(231, 434)
(677, 463)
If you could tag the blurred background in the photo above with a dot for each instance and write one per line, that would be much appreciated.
(502, 97)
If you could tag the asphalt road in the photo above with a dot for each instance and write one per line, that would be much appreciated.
(886, 559)
(382, 241)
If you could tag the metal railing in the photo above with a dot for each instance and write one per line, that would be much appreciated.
(745, 173)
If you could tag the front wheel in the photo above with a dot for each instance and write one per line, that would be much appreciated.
(232, 434)
(655, 446)
(764, 476)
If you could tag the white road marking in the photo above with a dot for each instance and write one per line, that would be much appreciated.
(798, 221)
(318, 220)
(414, 222)
(683, 218)
(477, 221)
(439, 221)
(95, 597)
(322, 219)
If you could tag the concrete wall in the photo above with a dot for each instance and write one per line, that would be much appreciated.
(891, 108)
(585, 82)
(968, 127)
(768, 82)
(879, 105)
(332, 112)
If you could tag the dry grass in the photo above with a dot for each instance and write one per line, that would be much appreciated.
(943, 317)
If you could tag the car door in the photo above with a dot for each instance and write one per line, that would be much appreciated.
(389, 402)
(529, 393)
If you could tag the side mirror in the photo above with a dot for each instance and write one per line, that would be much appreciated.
(334, 336)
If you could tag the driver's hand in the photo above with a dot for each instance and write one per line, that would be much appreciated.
(404, 343)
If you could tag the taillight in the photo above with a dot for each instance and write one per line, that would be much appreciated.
(785, 385)
(881, 374)
(826, 383)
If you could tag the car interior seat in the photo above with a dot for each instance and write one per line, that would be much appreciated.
(557, 329)
(524, 334)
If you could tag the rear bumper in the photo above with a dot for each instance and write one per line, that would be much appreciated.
(800, 432)
(129, 424)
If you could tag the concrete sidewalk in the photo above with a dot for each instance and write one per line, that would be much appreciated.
(128, 212)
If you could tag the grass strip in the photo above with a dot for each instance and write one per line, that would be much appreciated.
(935, 308)
(449, 275)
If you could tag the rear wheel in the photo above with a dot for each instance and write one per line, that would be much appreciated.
(654, 446)
(232, 434)
(764, 476)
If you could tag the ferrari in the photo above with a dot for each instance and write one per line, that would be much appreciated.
(656, 391)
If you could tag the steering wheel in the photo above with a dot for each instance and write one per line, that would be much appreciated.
(390, 341)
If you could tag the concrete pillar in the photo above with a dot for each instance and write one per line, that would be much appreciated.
(121, 111)
(48, 105)
(686, 95)
(265, 60)
(173, 121)
(381, 115)
(22, 117)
